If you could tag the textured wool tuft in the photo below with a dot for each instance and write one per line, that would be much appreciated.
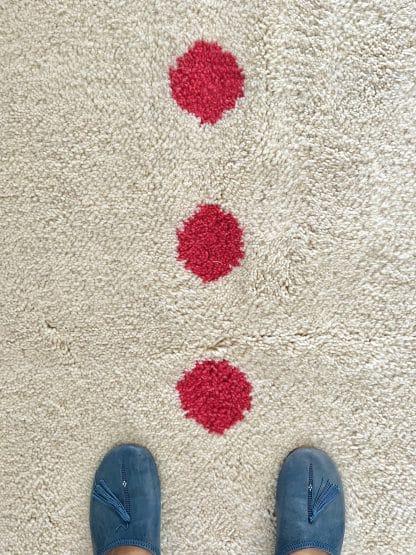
(207, 81)
(215, 394)
(210, 243)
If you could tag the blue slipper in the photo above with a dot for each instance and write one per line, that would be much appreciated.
(309, 503)
(125, 501)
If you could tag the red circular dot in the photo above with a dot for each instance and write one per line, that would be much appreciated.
(210, 243)
(215, 394)
(207, 81)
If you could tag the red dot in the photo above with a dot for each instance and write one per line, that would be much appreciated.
(207, 81)
(215, 394)
(210, 243)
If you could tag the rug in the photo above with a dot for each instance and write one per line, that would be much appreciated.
(207, 220)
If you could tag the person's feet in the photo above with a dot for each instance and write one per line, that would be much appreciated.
(309, 505)
(128, 550)
(125, 503)
(310, 552)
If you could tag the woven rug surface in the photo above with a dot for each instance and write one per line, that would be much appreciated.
(207, 248)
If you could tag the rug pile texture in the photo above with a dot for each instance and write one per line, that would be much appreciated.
(207, 215)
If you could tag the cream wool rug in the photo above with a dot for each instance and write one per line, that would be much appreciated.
(315, 163)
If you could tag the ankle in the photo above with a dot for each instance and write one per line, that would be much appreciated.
(309, 551)
(129, 550)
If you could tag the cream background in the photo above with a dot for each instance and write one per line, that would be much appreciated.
(98, 321)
